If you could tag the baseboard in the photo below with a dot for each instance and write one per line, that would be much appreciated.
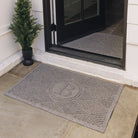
(10, 62)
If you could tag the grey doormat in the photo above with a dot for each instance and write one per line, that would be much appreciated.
(81, 98)
(101, 43)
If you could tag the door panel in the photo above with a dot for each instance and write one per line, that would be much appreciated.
(72, 11)
(76, 18)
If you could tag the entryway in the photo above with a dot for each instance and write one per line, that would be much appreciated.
(92, 30)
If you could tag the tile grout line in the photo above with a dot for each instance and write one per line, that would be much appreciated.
(67, 130)
(15, 75)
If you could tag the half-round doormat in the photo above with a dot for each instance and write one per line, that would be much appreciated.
(81, 98)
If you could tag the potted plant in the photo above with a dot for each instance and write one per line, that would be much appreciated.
(25, 28)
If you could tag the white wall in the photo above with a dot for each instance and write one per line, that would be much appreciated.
(132, 40)
(37, 7)
(7, 45)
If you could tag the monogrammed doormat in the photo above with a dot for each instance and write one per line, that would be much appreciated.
(81, 98)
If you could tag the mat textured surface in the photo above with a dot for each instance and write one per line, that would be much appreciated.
(100, 43)
(83, 99)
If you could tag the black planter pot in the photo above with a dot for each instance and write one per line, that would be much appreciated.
(27, 55)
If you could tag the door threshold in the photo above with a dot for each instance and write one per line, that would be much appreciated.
(87, 56)
(86, 67)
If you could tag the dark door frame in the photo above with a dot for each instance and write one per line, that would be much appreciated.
(96, 58)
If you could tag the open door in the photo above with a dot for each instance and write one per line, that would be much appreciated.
(76, 18)
(68, 23)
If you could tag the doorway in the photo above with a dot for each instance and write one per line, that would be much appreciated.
(92, 30)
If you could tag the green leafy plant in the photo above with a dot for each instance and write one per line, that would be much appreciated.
(24, 25)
